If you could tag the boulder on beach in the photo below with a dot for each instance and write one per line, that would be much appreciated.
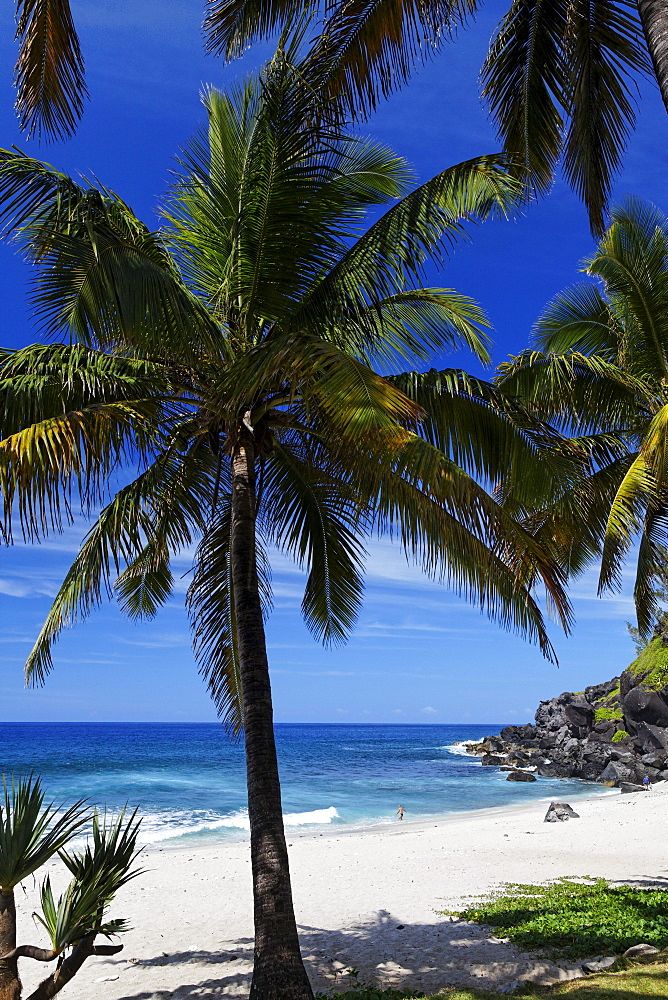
(521, 776)
(559, 812)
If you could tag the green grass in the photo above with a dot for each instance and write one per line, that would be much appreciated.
(653, 661)
(575, 919)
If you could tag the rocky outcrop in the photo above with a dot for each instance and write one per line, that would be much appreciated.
(615, 733)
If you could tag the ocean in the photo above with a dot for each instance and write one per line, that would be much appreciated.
(188, 780)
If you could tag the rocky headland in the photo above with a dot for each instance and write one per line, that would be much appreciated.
(615, 733)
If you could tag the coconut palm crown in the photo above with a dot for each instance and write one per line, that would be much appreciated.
(248, 357)
(601, 374)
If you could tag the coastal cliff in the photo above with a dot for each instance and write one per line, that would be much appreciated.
(615, 733)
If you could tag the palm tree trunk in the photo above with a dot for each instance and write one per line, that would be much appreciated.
(10, 984)
(654, 19)
(278, 972)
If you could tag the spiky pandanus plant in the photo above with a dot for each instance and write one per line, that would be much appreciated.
(241, 356)
(601, 374)
(30, 834)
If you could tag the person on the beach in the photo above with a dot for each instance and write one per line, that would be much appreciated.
(400, 812)
(647, 784)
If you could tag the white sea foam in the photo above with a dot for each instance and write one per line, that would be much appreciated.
(459, 749)
(175, 823)
(240, 819)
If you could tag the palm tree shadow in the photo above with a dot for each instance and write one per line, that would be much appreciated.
(384, 951)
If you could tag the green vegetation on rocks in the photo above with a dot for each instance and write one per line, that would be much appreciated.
(603, 713)
(652, 661)
(576, 919)
(620, 735)
(609, 707)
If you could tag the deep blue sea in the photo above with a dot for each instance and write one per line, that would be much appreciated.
(189, 780)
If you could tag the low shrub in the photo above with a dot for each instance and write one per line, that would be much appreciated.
(620, 735)
(576, 919)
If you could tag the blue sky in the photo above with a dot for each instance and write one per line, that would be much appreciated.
(419, 654)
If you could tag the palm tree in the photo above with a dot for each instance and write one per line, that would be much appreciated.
(241, 356)
(30, 834)
(601, 375)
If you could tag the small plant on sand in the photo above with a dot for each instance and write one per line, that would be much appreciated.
(358, 990)
(31, 833)
(576, 919)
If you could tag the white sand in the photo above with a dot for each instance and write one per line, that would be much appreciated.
(192, 913)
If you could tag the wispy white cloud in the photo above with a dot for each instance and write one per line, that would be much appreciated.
(14, 588)
(429, 710)
(156, 640)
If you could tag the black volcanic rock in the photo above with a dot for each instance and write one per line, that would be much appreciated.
(615, 732)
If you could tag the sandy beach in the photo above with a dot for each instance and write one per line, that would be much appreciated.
(368, 899)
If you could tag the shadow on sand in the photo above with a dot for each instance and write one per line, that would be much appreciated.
(383, 950)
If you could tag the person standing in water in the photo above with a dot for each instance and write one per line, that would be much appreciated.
(400, 812)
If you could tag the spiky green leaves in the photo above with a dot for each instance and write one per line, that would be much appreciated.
(30, 831)
(49, 72)
(603, 378)
(559, 82)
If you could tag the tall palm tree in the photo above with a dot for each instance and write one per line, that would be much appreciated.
(601, 375)
(241, 356)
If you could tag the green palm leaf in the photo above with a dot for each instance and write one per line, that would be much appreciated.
(562, 63)
(313, 514)
(49, 72)
(210, 604)
(162, 509)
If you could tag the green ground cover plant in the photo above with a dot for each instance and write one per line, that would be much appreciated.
(575, 919)
(620, 735)
(607, 713)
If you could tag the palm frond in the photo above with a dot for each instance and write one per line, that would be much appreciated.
(604, 53)
(578, 320)
(368, 49)
(49, 72)
(163, 505)
(632, 260)
(313, 514)
(100, 275)
(457, 534)
(490, 435)
(625, 519)
(558, 79)
(579, 393)
(413, 324)
(524, 82)
(425, 225)
(210, 604)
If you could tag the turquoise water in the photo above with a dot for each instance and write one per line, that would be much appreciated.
(189, 781)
